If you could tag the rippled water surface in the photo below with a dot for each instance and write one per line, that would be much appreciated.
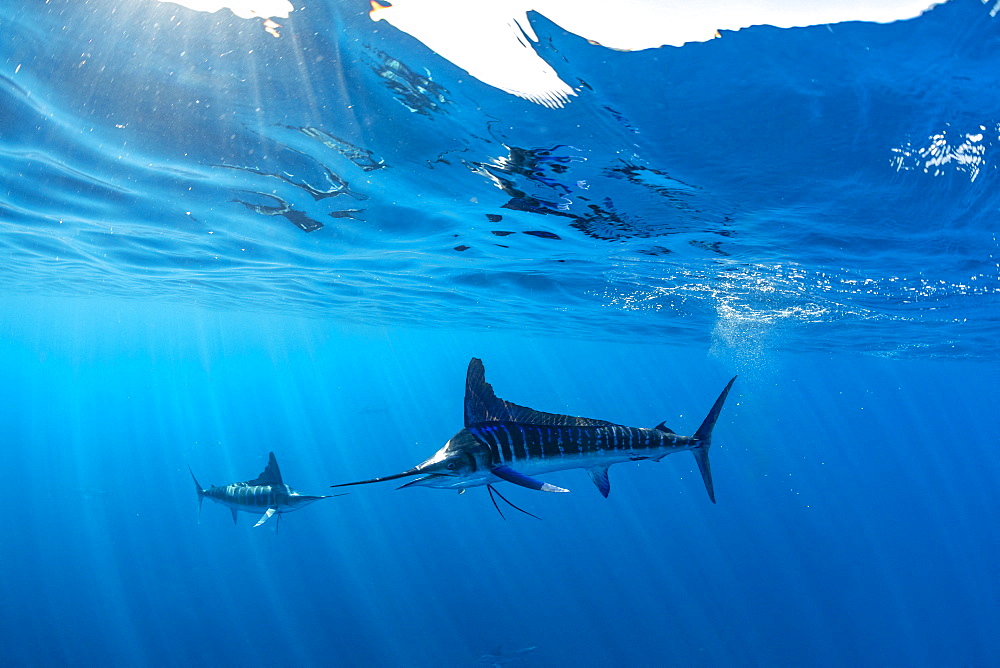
(216, 243)
(834, 185)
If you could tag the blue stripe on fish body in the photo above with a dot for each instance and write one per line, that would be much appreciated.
(506, 453)
(494, 449)
(251, 497)
(522, 444)
(545, 445)
(508, 440)
(532, 442)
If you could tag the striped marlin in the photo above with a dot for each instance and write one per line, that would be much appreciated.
(503, 441)
(265, 494)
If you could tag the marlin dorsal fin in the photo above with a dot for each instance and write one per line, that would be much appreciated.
(483, 406)
(664, 428)
(271, 474)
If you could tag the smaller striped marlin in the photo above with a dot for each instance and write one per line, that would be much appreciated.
(502, 441)
(266, 494)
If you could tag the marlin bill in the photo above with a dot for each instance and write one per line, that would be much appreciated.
(503, 441)
(266, 495)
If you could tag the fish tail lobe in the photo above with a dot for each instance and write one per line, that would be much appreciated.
(703, 438)
(201, 493)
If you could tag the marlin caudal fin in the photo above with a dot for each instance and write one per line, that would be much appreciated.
(705, 467)
(201, 493)
(704, 440)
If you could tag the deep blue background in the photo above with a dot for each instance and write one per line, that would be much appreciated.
(855, 523)
(812, 209)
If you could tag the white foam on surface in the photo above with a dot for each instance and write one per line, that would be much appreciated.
(491, 40)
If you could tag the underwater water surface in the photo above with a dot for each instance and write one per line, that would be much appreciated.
(218, 243)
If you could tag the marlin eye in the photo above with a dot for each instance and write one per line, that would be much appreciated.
(451, 466)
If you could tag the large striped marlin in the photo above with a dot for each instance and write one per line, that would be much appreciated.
(504, 441)
(267, 494)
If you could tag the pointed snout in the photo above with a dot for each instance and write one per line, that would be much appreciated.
(434, 467)
(445, 463)
(405, 474)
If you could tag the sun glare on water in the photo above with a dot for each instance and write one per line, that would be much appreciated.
(245, 9)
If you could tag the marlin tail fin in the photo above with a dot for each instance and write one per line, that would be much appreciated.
(201, 493)
(704, 438)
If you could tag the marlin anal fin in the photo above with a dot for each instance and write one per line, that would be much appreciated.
(599, 474)
(266, 516)
(510, 475)
(233, 510)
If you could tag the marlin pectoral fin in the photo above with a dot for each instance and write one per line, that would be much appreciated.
(599, 474)
(234, 514)
(510, 475)
(266, 516)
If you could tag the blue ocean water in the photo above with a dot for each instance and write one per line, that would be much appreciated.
(217, 243)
